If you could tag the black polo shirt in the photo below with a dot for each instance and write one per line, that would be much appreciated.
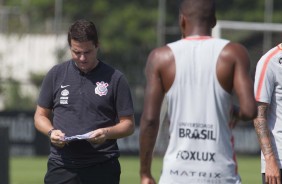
(82, 103)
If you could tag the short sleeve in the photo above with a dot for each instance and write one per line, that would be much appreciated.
(124, 103)
(264, 80)
(45, 98)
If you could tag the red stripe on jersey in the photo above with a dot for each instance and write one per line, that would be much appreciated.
(234, 154)
(197, 37)
(262, 75)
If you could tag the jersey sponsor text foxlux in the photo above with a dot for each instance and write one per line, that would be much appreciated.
(196, 156)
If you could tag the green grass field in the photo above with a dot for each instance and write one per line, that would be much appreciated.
(31, 170)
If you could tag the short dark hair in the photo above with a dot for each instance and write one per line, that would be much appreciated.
(198, 10)
(83, 30)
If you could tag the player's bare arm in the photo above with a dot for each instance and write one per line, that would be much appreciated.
(233, 73)
(149, 124)
(155, 89)
(272, 172)
(262, 131)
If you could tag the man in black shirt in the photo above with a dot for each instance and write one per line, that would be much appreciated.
(91, 107)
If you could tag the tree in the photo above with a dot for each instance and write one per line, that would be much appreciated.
(14, 99)
(127, 29)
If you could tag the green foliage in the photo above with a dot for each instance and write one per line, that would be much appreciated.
(94, 10)
(122, 26)
(41, 12)
(14, 99)
(37, 78)
(127, 32)
(242, 10)
(126, 28)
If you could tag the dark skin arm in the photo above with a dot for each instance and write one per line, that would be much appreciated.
(158, 63)
(272, 171)
(233, 74)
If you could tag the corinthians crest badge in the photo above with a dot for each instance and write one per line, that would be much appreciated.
(101, 88)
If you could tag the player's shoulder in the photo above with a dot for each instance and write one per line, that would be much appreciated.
(58, 70)
(272, 57)
(109, 69)
(235, 47)
(235, 52)
(161, 51)
(275, 52)
(160, 55)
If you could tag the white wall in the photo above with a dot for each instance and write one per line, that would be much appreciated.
(22, 54)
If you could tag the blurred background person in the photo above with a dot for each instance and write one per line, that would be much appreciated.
(268, 124)
(197, 74)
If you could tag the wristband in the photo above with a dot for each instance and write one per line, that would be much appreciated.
(50, 132)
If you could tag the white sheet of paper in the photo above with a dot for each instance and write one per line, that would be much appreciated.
(77, 137)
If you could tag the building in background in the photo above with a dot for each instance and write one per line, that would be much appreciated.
(22, 55)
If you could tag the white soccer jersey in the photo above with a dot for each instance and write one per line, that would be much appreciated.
(200, 149)
(268, 89)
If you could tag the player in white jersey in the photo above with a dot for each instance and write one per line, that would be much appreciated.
(198, 75)
(268, 124)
